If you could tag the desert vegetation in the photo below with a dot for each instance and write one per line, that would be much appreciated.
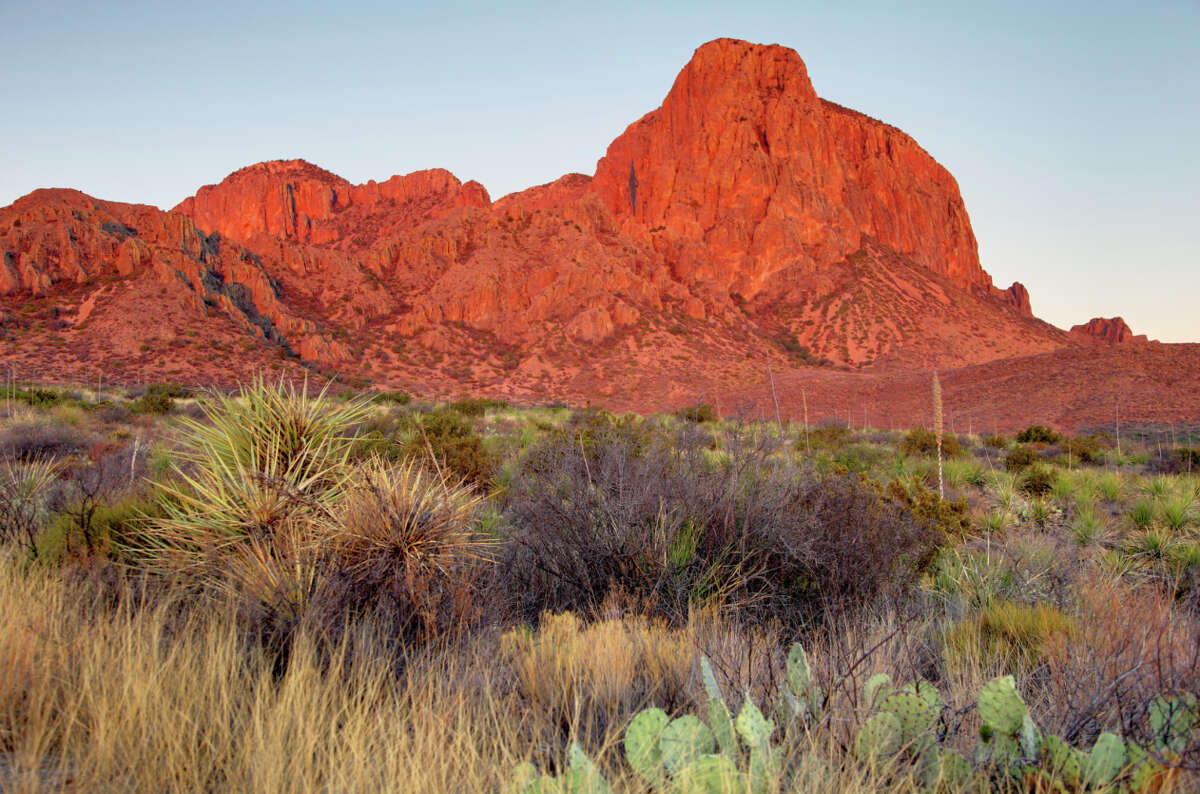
(287, 588)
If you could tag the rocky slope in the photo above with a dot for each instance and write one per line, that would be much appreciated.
(745, 225)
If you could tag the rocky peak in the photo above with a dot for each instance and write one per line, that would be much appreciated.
(744, 173)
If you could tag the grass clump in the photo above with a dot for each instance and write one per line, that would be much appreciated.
(1007, 635)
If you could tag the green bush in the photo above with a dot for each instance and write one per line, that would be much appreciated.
(1037, 481)
(448, 440)
(1085, 449)
(948, 519)
(996, 441)
(1020, 457)
(473, 406)
(1038, 434)
(701, 412)
(920, 441)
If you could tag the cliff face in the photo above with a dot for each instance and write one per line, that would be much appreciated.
(744, 173)
(296, 201)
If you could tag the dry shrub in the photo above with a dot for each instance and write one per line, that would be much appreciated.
(41, 440)
(1130, 644)
(404, 540)
(655, 519)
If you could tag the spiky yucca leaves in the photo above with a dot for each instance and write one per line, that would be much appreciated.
(404, 533)
(269, 455)
(23, 494)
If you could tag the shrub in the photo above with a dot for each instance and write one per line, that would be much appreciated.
(153, 403)
(449, 443)
(28, 442)
(1085, 449)
(996, 441)
(948, 520)
(660, 524)
(920, 441)
(1020, 457)
(475, 406)
(1037, 481)
(397, 397)
(1038, 434)
(405, 542)
(37, 397)
(701, 412)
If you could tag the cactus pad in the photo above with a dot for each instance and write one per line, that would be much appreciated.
(798, 673)
(1001, 707)
(878, 687)
(1172, 719)
(684, 740)
(954, 770)
(709, 774)
(752, 726)
(582, 776)
(641, 743)
(1105, 761)
(878, 738)
(913, 713)
(1062, 759)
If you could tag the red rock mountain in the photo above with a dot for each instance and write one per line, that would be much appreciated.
(744, 225)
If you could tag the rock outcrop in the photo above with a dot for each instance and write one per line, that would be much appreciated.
(1106, 331)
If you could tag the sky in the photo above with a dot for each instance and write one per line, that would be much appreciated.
(1073, 128)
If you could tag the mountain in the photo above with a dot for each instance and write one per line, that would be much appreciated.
(744, 226)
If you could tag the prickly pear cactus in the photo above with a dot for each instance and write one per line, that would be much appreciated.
(1030, 739)
(1172, 720)
(710, 774)
(914, 714)
(684, 740)
(719, 719)
(1063, 761)
(799, 674)
(1105, 761)
(928, 692)
(753, 727)
(642, 744)
(954, 771)
(879, 738)
(878, 687)
(582, 776)
(1001, 707)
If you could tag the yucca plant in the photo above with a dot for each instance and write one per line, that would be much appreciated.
(403, 533)
(1087, 527)
(1142, 513)
(269, 455)
(1176, 512)
(24, 488)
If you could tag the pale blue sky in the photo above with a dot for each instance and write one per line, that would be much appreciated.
(1073, 128)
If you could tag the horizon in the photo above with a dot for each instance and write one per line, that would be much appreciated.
(1038, 116)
